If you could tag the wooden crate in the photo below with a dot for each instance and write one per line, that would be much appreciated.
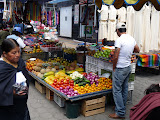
(93, 106)
(40, 87)
(49, 94)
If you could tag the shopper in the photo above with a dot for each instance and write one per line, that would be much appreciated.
(3, 35)
(28, 29)
(149, 106)
(125, 45)
(13, 102)
(16, 35)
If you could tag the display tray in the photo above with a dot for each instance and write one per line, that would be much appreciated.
(73, 98)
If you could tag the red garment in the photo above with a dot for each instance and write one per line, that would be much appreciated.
(145, 106)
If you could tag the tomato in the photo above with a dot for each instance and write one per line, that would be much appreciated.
(62, 83)
(57, 86)
(67, 79)
(66, 82)
(55, 80)
(71, 81)
(71, 84)
(59, 83)
(84, 74)
(54, 83)
(62, 80)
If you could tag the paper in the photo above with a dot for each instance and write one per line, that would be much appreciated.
(20, 77)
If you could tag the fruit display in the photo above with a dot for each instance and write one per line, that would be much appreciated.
(34, 49)
(104, 54)
(104, 84)
(93, 78)
(69, 50)
(81, 81)
(69, 54)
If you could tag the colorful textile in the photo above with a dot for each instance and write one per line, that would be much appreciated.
(148, 60)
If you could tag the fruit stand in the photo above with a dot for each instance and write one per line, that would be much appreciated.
(73, 98)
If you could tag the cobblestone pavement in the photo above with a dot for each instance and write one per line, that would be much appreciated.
(42, 109)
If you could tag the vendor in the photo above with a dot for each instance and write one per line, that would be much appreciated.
(16, 35)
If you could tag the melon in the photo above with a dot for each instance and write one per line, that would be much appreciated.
(39, 64)
(47, 70)
(43, 71)
(53, 69)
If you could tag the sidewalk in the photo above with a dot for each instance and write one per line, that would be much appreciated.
(42, 109)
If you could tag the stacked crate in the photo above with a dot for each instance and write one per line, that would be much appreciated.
(93, 106)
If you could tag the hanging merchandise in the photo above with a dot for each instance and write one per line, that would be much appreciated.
(147, 28)
(103, 23)
(138, 28)
(102, 33)
(112, 35)
(103, 12)
(130, 20)
(57, 18)
(154, 28)
(122, 14)
(33, 11)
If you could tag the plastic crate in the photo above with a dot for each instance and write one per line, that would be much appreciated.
(50, 49)
(40, 55)
(60, 101)
(130, 85)
(133, 67)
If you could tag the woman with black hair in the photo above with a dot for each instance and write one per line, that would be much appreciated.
(14, 83)
(149, 106)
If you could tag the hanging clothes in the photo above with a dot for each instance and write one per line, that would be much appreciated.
(112, 35)
(146, 28)
(103, 13)
(154, 28)
(138, 28)
(102, 33)
(130, 20)
(122, 14)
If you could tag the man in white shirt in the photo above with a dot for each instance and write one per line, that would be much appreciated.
(16, 33)
(125, 45)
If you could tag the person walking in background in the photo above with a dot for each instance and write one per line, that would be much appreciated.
(16, 35)
(3, 35)
(149, 106)
(125, 45)
(14, 83)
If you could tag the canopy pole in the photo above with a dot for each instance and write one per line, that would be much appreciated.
(84, 58)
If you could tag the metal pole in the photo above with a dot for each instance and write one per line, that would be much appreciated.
(84, 58)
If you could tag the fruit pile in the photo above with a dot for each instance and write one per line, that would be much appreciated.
(104, 84)
(104, 54)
